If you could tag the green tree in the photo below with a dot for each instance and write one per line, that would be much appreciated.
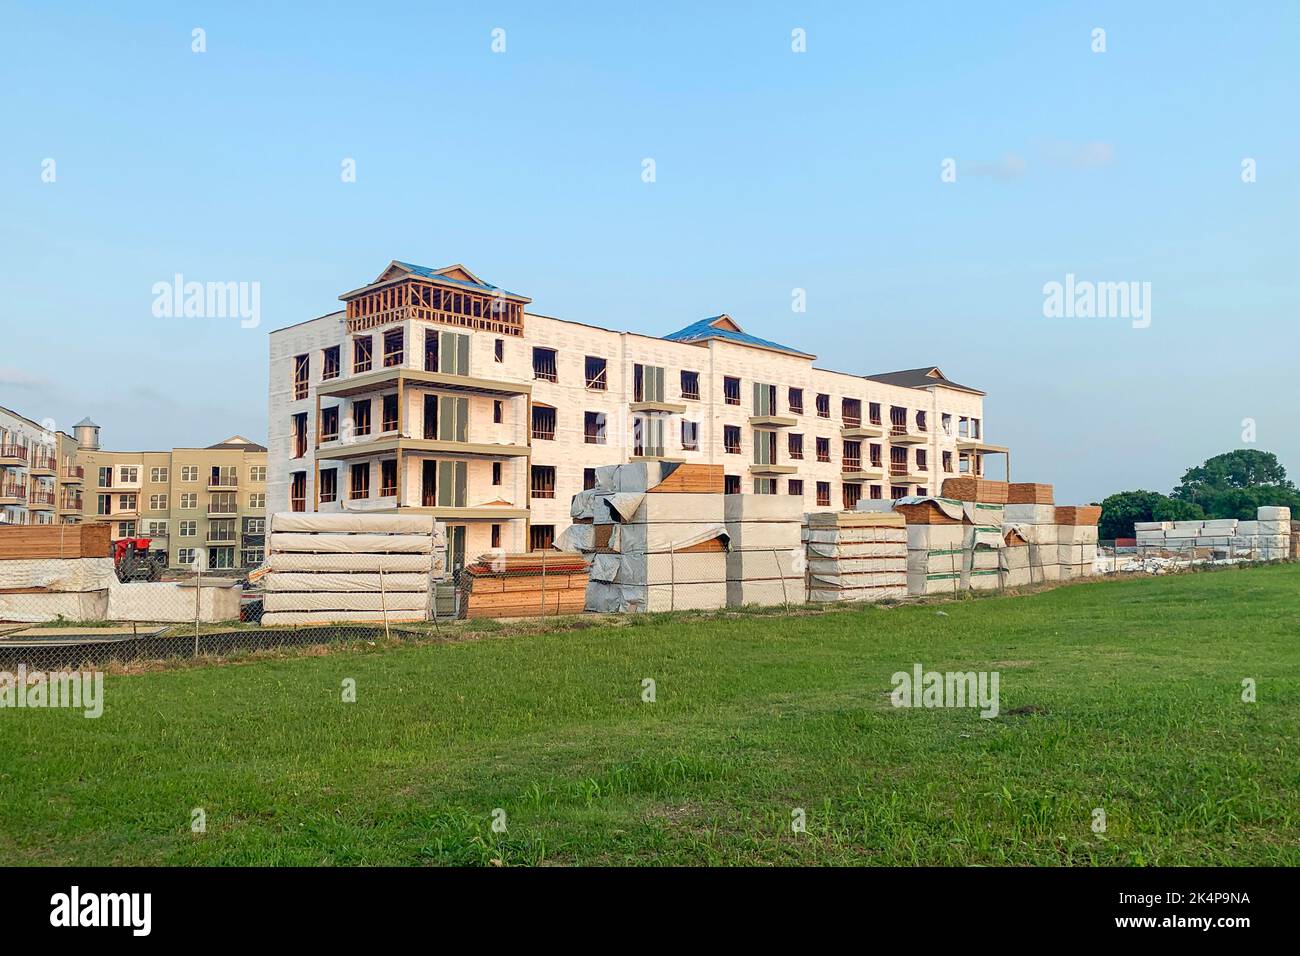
(1121, 510)
(1243, 468)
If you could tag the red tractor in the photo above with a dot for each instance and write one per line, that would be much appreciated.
(134, 562)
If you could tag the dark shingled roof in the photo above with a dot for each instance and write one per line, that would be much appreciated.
(921, 378)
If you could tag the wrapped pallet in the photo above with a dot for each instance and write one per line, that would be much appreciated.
(856, 556)
(765, 560)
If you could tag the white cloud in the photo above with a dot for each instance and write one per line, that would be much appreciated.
(17, 378)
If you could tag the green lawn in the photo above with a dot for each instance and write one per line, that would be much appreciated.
(1139, 682)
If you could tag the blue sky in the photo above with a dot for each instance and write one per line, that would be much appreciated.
(774, 171)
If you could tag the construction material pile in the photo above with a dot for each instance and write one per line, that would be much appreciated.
(656, 537)
(765, 549)
(1267, 538)
(538, 584)
(855, 555)
(952, 545)
(351, 568)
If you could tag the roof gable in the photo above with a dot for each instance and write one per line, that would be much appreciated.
(727, 329)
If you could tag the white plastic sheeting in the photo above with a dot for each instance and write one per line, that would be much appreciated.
(353, 523)
(58, 574)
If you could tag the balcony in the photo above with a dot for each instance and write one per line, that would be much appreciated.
(221, 537)
(41, 500)
(219, 509)
(44, 466)
(404, 377)
(772, 468)
(975, 444)
(13, 494)
(70, 503)
(73, 474)
(852, 469)
(342, 451)
(13, 455)
(217, 482)
(772, 421)
(856, 429)
(667, 408)
(902, 435)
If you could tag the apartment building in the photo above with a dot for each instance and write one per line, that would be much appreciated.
(205, 505)
(436, 391)
(40, 477)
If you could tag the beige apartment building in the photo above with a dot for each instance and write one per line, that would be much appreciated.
(435, 391)
(40, 478)
(204, 505)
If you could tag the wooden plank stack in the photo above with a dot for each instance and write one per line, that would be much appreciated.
(976, 489)
(1028, 493)
(855, 555)
(538, 584)
(51, 541)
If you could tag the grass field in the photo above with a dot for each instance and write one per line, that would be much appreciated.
(1136, 688)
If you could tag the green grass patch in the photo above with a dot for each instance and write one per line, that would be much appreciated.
(1134, 686)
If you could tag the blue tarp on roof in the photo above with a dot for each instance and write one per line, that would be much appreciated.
(704, 329)
(426, 273)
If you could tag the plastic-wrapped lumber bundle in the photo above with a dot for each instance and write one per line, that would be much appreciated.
(765, 560)
(856, 555)
(936, 558)
(1274, 537)
(351, 567)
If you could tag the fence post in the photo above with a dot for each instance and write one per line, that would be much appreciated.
(198, 597)
(541, 594)
(383, 600)
(785, 597)
(672, 579)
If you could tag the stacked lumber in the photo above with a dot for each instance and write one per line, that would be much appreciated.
(927, 510)
(351, 568)
(653, 545)
(34, 590)
(1274, 538)
(765, 558)
(1028, 493)
(54, 541)
(537, 584)
(856, 555)
(976, 489)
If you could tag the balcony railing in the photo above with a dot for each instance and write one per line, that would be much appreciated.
(897, 471)
(852, 421)
(13, 491)
(223, 481)
(70, 503)
(13, 451)
(219, 508)
(45, 463)
(221, 537)
(852, 464)
(41, 498)
(546, 434)
(74, 472)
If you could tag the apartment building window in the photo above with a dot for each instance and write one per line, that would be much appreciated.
(126, 502)
(298, 491)
(765, 448)
(126, 529)
(647, 383)
(876, 492)
(223, 503)
(588, 479)
(648, 437)
(361, 354)
(155, 529)
(189, 500)
(691, 385)
(873, 413)
(595, 374)
(158, 476)
(542, 484)
(220, 558)
(496, 531)
(388, 478)
(794, 487)
(541, 537)
(452, 418)
(446, 352)
(897, 420)
(388, 422)
(764, 486)
(301, 369)
(593, 428)
(795, 400)
(922, 424)
(103, 504)
(897, 491)
(184, 556)
(299, 434)
(360, 481)
(851, 458)
(875, 451)
(921, 490)
(851, 412)
(221, 531)
(329, 423)
(922, 460)
(157, 502)
(329, 484)
(963, 464)
(253, 557)
(852, 495)
(731, 439)
(690, 436)
(329, 366)
(947, 461)
(189, 529)
(499, 356)
(256, 473)
(945, 422)
(764, 399)
(545, 366)
(496, 473)
(823, 494)
(731, 484)
(823, 449)
(794, 446)
(897, 462)
(498, 411)
(106, 477)
(975, 428)
(394, 347)
(189, 473)
(543, 423)
(129, 474)
(823, 406)
(731, 390)
(257, 501)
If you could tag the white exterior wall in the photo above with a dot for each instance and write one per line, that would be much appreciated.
(16, 430)
(568, 453)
